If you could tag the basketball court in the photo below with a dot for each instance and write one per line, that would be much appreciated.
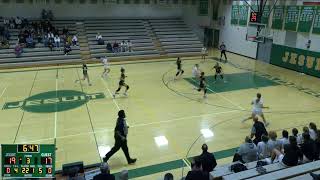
(168, 119)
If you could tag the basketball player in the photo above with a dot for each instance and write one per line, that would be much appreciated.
(218, 70)
(105, 63)
(203, 53)
(223, 49)
(179, 68)
(202, 85)
(85, 74)
(196, 71)
(122, 83)
(257, 109)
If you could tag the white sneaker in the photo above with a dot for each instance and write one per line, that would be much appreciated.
(125, 94)
(205, 96)
(114, 96)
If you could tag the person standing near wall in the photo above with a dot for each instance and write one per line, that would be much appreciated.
(223, 49)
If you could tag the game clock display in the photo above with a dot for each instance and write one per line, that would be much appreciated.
(28, 160)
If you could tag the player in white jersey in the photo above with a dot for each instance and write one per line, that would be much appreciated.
(257, 109)
(196, 71)
(204, 53)
(105, 66)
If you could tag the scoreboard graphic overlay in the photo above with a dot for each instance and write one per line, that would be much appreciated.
(28, 160)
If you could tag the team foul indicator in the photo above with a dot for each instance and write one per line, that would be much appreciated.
(28, 161)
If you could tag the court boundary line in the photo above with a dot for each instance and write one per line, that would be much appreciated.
(23, 113)
(89, 115)
(56, 112)
(4, 90)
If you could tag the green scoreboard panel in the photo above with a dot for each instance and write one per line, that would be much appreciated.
(28, 160)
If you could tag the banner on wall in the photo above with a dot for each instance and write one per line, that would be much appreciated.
(292, 18)
(235, 15)
(277, 19)
(299, 60)
(316, 23)
(203, 7)
(243, 15)
(306, 18)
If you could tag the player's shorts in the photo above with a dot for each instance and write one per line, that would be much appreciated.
(218, 72)
(202, 86)
(106, 66)
(257, 111)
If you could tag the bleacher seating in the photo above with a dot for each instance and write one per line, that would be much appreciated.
(176, 37)
(40, 54)
(118, 30)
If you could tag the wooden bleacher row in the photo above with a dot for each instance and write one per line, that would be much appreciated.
(119, 30)
(272, 171)
(176, 37)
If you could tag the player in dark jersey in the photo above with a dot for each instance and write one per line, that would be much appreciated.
(202, 85)
(218, 70)
(85, 74)
(122, 83)
(179, 68)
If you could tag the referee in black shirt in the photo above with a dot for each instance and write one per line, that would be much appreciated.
(120, 136)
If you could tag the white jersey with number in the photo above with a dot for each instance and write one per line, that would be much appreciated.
(257, 106)
(105, 63)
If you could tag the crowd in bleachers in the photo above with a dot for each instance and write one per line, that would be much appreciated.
(33, 32)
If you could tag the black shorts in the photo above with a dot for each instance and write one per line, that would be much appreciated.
(218, 72)
(223, 51)
(202, 86)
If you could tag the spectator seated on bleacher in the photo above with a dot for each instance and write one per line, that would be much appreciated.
(74, 40)
(39, 37)
(308, 148)
(248, 151)
(105, 173)
(18, 22)
(50, 43)
(67, 48)
(208, 161)
(12, 24)
(298, 136)
(123, 46)
(263, 150)
(6, 22)
(168, 176)
(65, 30)
(109, 47)
(18, 50)
(116, 47)
(273, 143)
(57, 41)
(196, 172)
(99, 39)
(6, 33)
(313, 131)
(45, 40)
(285, 138)
(4, 44)
(129, 45)
(290, 156)
(30, 42)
